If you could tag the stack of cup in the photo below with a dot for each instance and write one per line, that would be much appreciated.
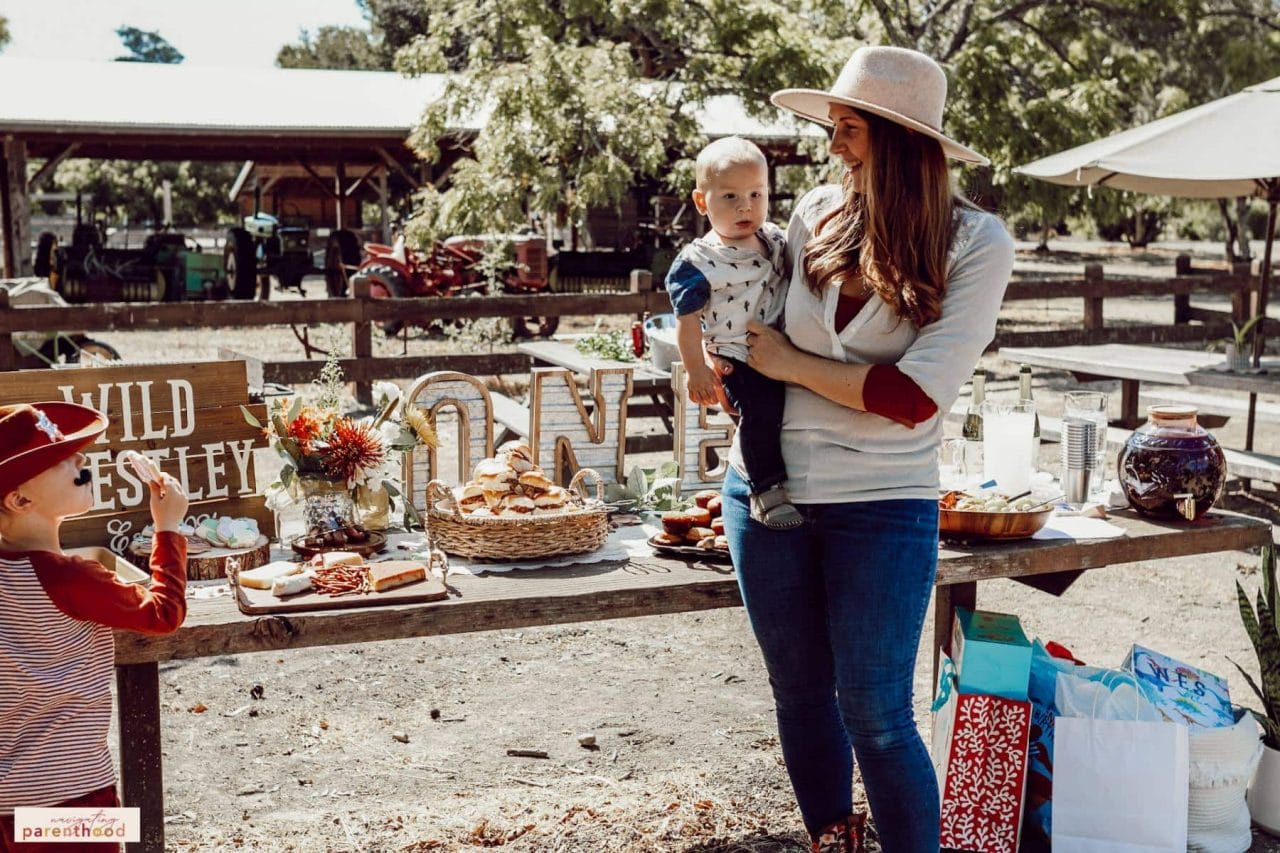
(1080, 439)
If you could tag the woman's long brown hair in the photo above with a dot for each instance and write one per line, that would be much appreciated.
(896, 232)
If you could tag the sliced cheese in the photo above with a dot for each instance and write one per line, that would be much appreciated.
(391, 573)
(291, 584)
(329, 559)
(262, 576)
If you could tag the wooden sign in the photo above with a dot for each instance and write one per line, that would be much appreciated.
(696, 435)
(434, 393)
(184, 416)
(565, 436)
(567, 430)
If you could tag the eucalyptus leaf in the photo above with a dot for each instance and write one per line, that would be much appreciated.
(637, 483)
(295, 408)
(286, 475)
(249, 418)
(390, 489)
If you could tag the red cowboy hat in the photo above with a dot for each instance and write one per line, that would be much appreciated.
(35, 437)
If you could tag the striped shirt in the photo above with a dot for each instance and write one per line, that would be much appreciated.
(56, 659)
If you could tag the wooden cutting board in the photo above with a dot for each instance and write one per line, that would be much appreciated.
(212, 564)
(260, 601)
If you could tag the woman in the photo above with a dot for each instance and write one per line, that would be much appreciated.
(896, 283)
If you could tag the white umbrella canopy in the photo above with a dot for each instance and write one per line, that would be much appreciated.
(1227, 147)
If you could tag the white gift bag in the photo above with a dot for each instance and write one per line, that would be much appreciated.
(1119, 785)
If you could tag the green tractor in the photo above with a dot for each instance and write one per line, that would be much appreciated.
(265, 247)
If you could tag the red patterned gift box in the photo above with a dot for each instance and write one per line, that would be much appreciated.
(980, 755)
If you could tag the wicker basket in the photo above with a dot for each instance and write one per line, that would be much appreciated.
(576, 531)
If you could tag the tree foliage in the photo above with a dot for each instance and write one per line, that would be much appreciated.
(392, 25)
(147, 46)
(582, 100)
(4, 31)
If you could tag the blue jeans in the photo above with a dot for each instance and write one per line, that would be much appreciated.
(837, 607)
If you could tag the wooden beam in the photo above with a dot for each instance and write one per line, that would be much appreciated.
(399, 169)
(15, 208)
(360, 180)
(49, 165)
(138, 696)
(315, 176)
(245, 172)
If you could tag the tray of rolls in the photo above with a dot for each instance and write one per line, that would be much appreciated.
(697, 532)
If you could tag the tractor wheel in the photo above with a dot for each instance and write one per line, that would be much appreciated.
(90, 350)
(241, 264)
(46, 252)
(385, 282)
(341, 255)
(534, 327)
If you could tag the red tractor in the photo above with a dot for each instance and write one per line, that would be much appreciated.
(456, 268)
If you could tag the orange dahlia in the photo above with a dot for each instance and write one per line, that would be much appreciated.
(352, 448)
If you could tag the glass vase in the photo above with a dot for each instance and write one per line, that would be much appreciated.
(326, 504)
(1172, 467)
(373, 506)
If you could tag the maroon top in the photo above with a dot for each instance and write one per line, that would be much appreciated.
(888, 391)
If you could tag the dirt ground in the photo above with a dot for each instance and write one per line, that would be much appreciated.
(402, 746)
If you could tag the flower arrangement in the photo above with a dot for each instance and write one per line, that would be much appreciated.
(315, 440)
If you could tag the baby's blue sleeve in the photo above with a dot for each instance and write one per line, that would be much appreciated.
(688, 287)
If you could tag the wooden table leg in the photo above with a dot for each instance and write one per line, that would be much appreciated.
(945, 601)
(141, 776)
(1129, 404)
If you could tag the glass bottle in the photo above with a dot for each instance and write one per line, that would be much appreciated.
(1025, 394)
(972, 430)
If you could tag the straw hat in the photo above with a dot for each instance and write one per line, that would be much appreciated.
(895, 83)
(34, 438)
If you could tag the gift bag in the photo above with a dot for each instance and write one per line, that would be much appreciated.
(1119, 785)
(979, 753)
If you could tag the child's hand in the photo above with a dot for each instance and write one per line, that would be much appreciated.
(702, 385)
(168, 503)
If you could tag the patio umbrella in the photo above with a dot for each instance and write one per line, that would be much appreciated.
(1226, 147)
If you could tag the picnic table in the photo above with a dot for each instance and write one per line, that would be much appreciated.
(646, 381)
(588, 592)
(1133, 365)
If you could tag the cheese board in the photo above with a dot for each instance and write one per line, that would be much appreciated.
(256, 602)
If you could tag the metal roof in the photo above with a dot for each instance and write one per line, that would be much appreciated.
(153, 111)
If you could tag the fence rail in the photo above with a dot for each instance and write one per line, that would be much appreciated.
(362, 313)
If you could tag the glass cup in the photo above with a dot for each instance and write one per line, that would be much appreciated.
(1091, 406)
(952, 472)
(1008, 444)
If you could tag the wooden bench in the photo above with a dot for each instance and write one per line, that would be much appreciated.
(511, 415)
(1213, 404)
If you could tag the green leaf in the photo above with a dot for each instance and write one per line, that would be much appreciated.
(286, 475)
(637, 483)
(1249, 619)
(1268, 571)
(1269, 659)
(390, 489)
(249, 418)
(295, 408)
(669, 469)
(1249, 679)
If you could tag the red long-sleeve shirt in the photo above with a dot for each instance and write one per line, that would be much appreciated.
(887, 391)
(56, 657)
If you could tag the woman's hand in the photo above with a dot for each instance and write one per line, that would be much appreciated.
(771, 353)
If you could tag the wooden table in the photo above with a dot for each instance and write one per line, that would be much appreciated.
(646, 381)
(1133, 365)
(215, 627)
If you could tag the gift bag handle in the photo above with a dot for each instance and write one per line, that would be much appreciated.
(947, 677)
(1123, 676)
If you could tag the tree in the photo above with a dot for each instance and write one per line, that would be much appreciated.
(392, 25)
(335, 47)
(583, 101)
(144, 46)
(4, 31)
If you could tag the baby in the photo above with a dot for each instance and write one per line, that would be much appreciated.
(57, 612)
(717, 283)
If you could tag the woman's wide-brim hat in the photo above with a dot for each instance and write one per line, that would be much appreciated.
(35, 437)
(901, 85)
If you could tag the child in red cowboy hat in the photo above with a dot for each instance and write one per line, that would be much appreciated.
(57, 613)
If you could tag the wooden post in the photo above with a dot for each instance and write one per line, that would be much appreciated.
(8, 355)
(946, 599)
(1240, 298)
(383, 200)
(1182, 301)
(141, 774)
(362, 338)
(1093, 277)
(15, 208)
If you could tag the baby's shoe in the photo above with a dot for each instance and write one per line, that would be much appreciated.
(773, 509)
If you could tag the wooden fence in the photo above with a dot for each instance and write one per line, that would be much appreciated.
(362, 313)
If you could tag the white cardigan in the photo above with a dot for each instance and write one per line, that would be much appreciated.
(836, 454)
